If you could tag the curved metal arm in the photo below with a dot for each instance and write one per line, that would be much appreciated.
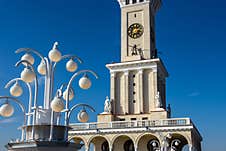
(63, 86)
(29, 89)
(36, 86)
(54, 66)
(36, 79)
(66, 57)
(78, 105)
(18, 102)
(68, 87)
(22, 108)
(29, 50)
(72, 79)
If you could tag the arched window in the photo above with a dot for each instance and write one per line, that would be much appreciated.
(128, 146)
(105, 146)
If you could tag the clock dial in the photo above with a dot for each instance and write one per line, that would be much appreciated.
(135, 30)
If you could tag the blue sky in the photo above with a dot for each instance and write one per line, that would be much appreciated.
(190, 35)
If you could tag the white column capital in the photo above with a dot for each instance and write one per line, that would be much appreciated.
(126, 72)
(140, 71)
(155, 69)
(113, 74)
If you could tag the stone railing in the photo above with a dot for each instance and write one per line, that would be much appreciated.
(133, 124)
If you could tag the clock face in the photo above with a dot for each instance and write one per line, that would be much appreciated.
(135, 30)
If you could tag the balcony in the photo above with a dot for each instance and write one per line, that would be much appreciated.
(175, 122)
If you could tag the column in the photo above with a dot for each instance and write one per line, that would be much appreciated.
(135, 148)
(126, 90)
(87, 148)
(140, 91)
(154, 88)
(112, 92)
(110, 147)
(190, 148)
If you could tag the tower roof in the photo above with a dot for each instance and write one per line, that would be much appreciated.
(155, 4)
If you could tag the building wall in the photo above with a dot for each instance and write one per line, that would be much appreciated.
(140, 139)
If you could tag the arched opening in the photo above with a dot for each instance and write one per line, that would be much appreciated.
(148, 142)
(99, 143)
(105, 146)
(177, 142)
(80, 141)
(128, 145)
(123, 143)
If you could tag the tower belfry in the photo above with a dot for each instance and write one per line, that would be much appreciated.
(135, 116)
(138, 29)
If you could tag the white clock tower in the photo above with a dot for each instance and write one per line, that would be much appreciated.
(138, 81)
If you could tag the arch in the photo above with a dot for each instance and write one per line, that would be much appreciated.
(144, 142)
(95, 136)
(117, 136)
(100, 143)
(123, 142)
(141, 135)
(78, 139)
(178, 141)
(189, 147)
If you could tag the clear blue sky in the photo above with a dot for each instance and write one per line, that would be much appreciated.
(190, 35)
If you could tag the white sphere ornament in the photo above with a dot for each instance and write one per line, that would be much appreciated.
(57, 104)
(16, 90)
(42, 68)
(28, 57)
(71, 66)
(71, 95)
(85, 82)
(154, 144)
(176, 143)
(83, 116)
(27, 75)
(54, 54)
(6, 110)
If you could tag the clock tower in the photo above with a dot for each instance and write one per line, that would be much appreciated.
(138, 29)
(138, 81)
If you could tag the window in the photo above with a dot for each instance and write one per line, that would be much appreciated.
(134, 1)
(121, 119)
(141, 0)
(133, 119)
(127, 2)
(144, 118)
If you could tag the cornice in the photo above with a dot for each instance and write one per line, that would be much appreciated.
(131, 130)
(154, 64)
